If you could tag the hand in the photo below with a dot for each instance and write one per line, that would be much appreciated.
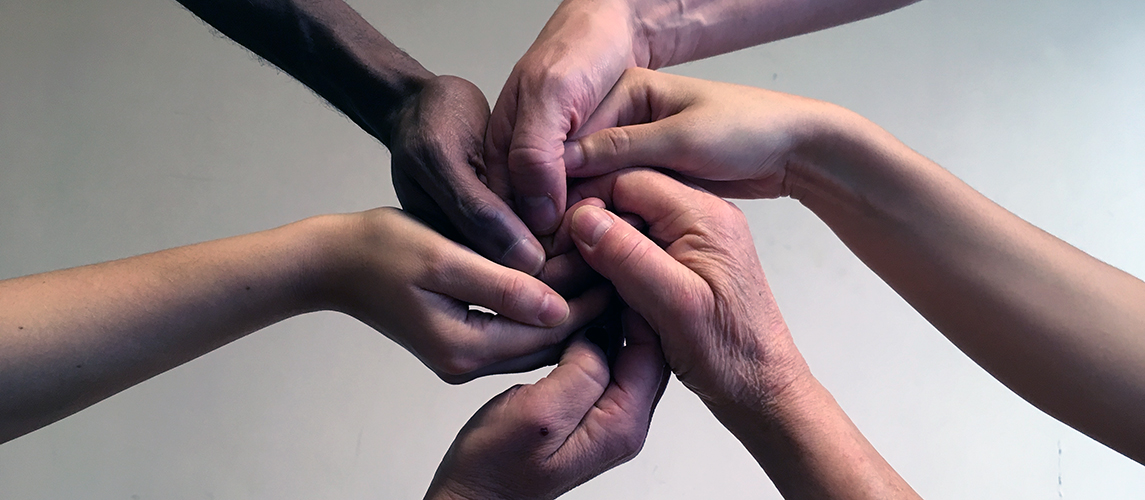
(436, 148)
(539, 441)
(702, 288)
(733, 140)
(579, 55)
(415, 286)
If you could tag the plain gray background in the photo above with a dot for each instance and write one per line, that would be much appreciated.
(128, 126)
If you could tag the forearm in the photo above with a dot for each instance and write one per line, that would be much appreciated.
(678, 31)
(809, 447)
(328, 47)
(73, 337)
(1060, 328)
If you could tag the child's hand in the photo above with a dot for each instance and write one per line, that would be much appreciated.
(415, 286)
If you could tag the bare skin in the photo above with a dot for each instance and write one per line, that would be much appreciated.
(73, 337)
(696, 278)
(1060, 328)
(585, 48)
(537, 441)
(433, 125)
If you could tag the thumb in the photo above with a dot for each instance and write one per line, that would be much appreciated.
(646, 277)
(647, 144)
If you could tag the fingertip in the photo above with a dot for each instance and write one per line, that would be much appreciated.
(573, 157)
(525, 255)
(554, 310)
(540, 213)
(589, 223)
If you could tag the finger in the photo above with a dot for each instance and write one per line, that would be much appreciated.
(572, 388)
(613, 431)
(523, 150)
(498, 137)
(657, 144)
(568, 274)
(470, 278)
(645, 276)
(483, 340)
(668, 207)
(446, 164)
(561, 242)
(633, 126)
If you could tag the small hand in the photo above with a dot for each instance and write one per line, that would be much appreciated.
(436, 148)
(578, 56)
(539, 441)
(702, 288)
(734, 140)
(415, 286)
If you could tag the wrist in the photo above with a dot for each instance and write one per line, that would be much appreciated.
(319, 249)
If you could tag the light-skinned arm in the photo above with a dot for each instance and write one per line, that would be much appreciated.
(73, 337)
(585, 47)
(1060, 328)
(697, 280)
(433, 125)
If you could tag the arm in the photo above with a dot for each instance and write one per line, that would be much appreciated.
(433, 125)
(587, 45)
(704, 293)
(71, 338)
(538, 441)
(1059, 327)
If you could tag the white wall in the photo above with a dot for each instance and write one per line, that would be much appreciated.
(126, 126)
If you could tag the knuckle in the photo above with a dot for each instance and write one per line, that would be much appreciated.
(610, 142)
(513, 291)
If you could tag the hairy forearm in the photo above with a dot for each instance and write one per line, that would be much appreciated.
(73, 337)
(809, 447)
(678, 31)
(1059, 327)
(328, 47)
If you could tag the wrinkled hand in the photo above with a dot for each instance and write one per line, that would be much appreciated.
(733, 140)
(578, 56)
(539, 441)
(415, 286)
(436, 147)
(701, 288)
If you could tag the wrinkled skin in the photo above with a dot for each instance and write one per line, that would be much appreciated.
(538, 441)
(552, 90)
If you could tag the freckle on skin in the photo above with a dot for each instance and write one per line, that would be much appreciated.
(544, 431)
(79, 366)
(248, 288)
(20, 327)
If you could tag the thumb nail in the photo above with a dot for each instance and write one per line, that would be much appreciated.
(589, 224)
(574, 156)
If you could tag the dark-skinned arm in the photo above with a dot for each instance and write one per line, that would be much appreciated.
(433, 125)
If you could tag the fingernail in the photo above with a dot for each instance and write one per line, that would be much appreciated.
(554, 310)
(574, 156)
(525, 255)
(589, 224)
(539, 213)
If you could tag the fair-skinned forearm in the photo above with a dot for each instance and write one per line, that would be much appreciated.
(1059, 327)
(809, 447)
(73, 337)
(680, 31)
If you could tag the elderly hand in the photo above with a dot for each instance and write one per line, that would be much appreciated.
(578, 56)
(698, 281)
(704, 291)
(539, 441)
(436, 147)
